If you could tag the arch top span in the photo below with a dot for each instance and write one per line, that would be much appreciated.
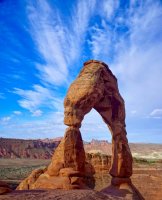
(100, 63)
(95, 61)
(95, 87)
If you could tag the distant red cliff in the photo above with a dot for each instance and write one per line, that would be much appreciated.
(19, 148)
(44, 148)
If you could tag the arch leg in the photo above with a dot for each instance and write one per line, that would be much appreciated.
(74, 154)
(112, 111)
(121, 156)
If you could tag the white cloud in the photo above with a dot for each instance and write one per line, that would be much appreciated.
(129, 38)
(133, 112)
(48, 33)
(16, 112)
(60, 45)
(130, 41)
(156, 113)
(6, 119)
(100, 41)
(132, 48)
(108, 8)
(138, 57)
(50, 127)
(38, 97)
(37, 113)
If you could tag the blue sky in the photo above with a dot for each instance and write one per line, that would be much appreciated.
(43, 45)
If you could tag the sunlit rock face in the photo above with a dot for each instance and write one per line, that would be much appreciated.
(95, 87)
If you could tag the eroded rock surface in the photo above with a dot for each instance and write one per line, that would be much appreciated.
(66, 170)
(4, 188)
(95, 87)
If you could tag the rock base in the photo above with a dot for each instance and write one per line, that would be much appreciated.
(116, 181)
(4, 188)
(122, 187)
(67, 179)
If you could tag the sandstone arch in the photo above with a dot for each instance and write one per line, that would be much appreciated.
(95, 87)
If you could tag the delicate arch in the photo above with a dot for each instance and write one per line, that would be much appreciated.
(96, 87)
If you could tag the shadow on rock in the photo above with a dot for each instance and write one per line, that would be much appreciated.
(89, 175)
(125, 191)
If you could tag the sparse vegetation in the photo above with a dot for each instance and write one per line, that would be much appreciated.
(17, 173)
(14, 170)
(144, 161)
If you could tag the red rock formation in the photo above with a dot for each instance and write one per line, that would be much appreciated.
(19, 148)
(4, 188)
(98, 162)
(95, 87)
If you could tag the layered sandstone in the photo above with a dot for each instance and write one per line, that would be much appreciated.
(34, 149)
(44, 148)
(4, 188)
(96, 87)
(65, 170)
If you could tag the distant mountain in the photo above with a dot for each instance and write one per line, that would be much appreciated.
(100, 146)
(44, 148)
(19, 148)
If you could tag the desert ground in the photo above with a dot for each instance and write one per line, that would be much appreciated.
(147, 176)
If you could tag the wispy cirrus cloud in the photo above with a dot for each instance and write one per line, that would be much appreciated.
(48, 35)
(138, 60)
(156, 113)
(36, 98)
(6, 119)
(17, 112)
(128, 36)
(5, 122)
(37, 113)
(108, 8)
(100, 41)
(130, 40)
(59, 44)
(50, 127)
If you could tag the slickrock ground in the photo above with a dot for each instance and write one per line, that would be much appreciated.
(147, 180)
(68, 195)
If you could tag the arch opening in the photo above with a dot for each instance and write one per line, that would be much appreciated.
(93, 127)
